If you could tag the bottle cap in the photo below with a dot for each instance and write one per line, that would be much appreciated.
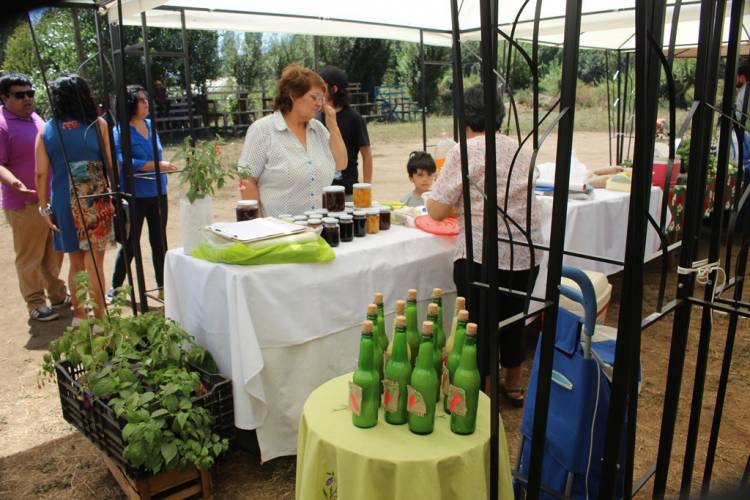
(471, 329)
(367, 326)
(437, 292)
(400, 306)
(460, 303)
(372, 309)
(432, 309)
(463, 315)
(411, 294)
(378, 298)
(333, 189)
(427, 328)
(247, 203)
(400, 321)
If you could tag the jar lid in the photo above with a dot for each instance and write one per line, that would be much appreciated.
(385, 209)
(330, 220)
(338, 215)
(333, 189)
(314, 221)
(362, 185)
(247, 203)
(373, 211)
(302, 218)
(359, 213)
(320, 211)
(284, 216)
(310, 213)
(346, 218)
(349, 204)
(301, 222)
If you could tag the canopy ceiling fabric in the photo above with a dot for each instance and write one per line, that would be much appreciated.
(605, 24)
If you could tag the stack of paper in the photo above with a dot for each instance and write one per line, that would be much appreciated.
(254, 230)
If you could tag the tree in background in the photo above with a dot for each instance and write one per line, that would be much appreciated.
(407, 70)
(365, 60)
(284, 50)
(251, 70)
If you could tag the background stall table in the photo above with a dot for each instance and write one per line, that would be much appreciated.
(387, 461)
(280, 331)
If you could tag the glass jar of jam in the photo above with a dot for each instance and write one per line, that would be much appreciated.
(331, 232)
(385, 218)
(246, 210)
(346, 226)
(314, 223)
(362, 195)
(334, 198)
(373, 221)
(360, 223)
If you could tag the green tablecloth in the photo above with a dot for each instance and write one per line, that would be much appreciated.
(336, 460)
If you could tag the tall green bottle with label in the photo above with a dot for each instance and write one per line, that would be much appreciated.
(464, 391)
(381, 338)
(372, 315)
(400, 311)
(437, 354)
(460, 305)
(412, 324)
(364, 392)
(423, 387)
(397, 377)
(454, 357)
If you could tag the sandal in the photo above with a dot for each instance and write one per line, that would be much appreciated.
(515, 396)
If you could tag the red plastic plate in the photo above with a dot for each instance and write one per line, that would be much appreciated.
(445, 227)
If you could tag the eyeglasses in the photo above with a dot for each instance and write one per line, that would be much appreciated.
(317, 97)
(22, 94)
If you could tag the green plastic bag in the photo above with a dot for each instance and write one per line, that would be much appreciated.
(304, 248)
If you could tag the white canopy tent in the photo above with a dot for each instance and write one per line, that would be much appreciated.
(605, 24)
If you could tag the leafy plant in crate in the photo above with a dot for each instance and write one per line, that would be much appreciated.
(204, 173)
(153, 378)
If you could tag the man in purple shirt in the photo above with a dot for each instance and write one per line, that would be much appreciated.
(37, 264)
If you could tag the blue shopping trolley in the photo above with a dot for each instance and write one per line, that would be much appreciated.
(579, 402)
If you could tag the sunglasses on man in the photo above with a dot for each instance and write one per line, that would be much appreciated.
(24, 93)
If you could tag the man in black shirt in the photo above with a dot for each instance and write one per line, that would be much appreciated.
(353, 130)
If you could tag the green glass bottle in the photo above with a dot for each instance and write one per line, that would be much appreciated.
(439, 328)
(437, 354)
(400, 311)
(423, 387)
(397, 377)
(464, 391)
(372, 315)
(381, 338)
(412, 324)
(365, 379)
(454, 357)
(460, 305)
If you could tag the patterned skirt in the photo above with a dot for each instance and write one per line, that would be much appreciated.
(92, 215)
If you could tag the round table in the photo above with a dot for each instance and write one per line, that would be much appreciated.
(336, 460)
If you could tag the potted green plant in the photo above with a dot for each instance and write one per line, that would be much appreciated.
(141, 390)
(204, 173)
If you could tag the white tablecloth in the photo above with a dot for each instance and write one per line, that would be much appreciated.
(280, 331)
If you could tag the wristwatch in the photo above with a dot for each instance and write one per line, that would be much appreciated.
(45, 211)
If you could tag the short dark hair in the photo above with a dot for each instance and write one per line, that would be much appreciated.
(743, 70)
(336, 76)
(420, 160)
(295, 81)
(133, 95)
(11, 79)
(72, 99)
(474, 108)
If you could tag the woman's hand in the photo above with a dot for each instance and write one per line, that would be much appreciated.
(167, 166)
(330, 115)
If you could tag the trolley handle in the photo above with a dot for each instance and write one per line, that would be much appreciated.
(586, 297)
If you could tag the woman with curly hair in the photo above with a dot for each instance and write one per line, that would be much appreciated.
(74, 144)
(289, 156)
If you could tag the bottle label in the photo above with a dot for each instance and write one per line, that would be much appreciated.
(391, 393)
(445, 379)
(457, 400)
(415, 403)
(355, 398)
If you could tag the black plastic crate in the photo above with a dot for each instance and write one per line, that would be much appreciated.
(98, 422)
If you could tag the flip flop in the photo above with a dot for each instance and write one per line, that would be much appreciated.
(515, 396)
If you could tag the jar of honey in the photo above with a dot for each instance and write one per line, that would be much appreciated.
(362, 195)
(373, 220)
(246, 210)
(334, 198)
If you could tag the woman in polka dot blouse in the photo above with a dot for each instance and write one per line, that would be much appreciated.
(289, 156)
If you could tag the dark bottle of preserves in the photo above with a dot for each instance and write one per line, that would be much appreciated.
(331, 231)
(334, 198)
(246, 210)
(385, 218)
(360, 223)
(346, 227)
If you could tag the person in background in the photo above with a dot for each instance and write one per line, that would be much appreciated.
(75, 145)
(161, 99)
(147, 204)
(520, 273)
(289, 156)
(353, 130)
(421, 169)
(37, 263)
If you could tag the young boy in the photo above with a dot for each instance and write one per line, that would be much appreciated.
(421, 169)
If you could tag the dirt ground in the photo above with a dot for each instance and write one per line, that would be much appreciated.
(41, 456)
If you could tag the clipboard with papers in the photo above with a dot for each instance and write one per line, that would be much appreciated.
(254, 230)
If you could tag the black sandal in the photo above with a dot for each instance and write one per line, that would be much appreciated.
(515, 396)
